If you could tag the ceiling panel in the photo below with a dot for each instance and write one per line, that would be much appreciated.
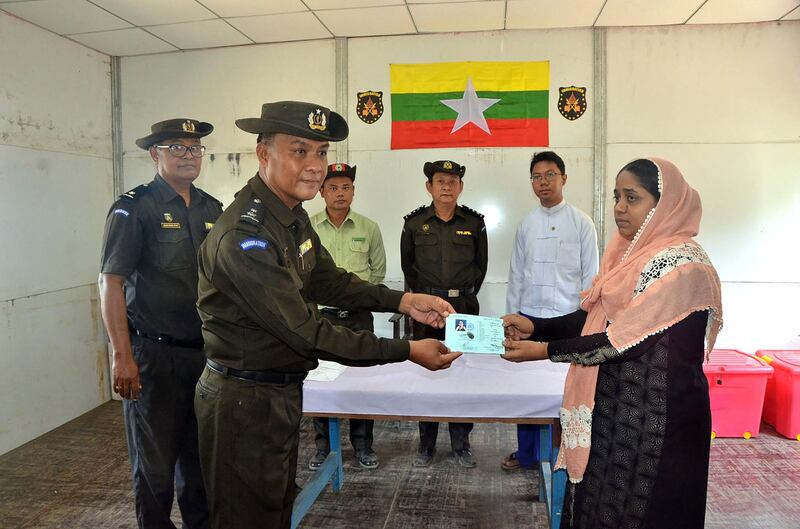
(345, 4)
(243, 8)
(475, 16)
(532, 14)
(735, 11)
(646, 12)
(281, 28)
(122, 42)
(439, 1)
(794, 15)
(153, 12)
(66, 16)
(205, 34)
(393, 20)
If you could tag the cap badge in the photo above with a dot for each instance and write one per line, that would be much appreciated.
(316, 120)
(447, 165)
(188, 126)
(338, 168)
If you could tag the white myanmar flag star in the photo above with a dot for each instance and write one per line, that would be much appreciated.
(470, 108)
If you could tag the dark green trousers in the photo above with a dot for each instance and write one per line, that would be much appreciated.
(248, 436)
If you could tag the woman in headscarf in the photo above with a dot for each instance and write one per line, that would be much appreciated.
(636, 421)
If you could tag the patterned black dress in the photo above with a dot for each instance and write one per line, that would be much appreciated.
(651, 427)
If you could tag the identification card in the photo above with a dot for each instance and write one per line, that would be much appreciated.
(474, 334)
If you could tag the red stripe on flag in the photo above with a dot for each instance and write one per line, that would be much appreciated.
(504, 133)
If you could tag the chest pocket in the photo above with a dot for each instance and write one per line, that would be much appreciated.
(426, 248)
(463, 248)
(358, 255)
(175, 251)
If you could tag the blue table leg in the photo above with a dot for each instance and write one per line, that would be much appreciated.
(552, 483)
(330, 471)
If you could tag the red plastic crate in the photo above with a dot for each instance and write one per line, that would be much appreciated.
(737, 382)
(782, 400)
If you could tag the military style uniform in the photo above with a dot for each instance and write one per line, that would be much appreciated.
(152, 239)
(356, 246)
(263, 271)
(447, 259)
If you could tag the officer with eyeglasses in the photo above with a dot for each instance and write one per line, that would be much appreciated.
(148, 294)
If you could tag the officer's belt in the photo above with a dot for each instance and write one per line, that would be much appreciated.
(268, 377)
(447, 292)
(339, 314)
(169, 340)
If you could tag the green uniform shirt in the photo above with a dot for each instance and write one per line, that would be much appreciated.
(356, 245)
(262, 273)
(444, 255)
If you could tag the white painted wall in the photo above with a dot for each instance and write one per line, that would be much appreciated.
(710, 99)
(55, 188)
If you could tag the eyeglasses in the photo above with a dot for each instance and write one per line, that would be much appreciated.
(176, 149)
(546, 177)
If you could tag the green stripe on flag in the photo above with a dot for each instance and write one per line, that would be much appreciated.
(512, 105)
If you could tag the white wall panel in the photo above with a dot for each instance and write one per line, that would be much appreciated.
(718, 84)
(55, 94)
(59, 203)
(220, 86)
(53, 364)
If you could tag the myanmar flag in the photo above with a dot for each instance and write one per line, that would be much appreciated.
(470, 104)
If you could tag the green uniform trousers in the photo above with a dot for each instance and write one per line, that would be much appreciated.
(248, 436)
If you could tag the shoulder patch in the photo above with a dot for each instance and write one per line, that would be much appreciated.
(415, 212)
(120, 211)
(254, 244)
(136, 192)
(471, 211)
(254, 214)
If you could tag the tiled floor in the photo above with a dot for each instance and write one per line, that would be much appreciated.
(78, 477)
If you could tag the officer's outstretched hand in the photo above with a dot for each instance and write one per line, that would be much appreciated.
(431, 354)
(426, 309)
(517, 327)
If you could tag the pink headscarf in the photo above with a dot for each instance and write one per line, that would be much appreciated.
(666, 301)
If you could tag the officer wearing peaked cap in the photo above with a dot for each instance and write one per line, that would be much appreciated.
(148, 291)
(444, 252)
(263, 271)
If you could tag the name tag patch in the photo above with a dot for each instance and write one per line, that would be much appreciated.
(253, 244)
(463, 232)
(359, 239)
(305, 247)
(171, 225)
(121, 212)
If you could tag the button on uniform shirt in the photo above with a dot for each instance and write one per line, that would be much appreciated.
(444, 255)
(356, 245)
(263, 270)
(554, 259)
(152, 238)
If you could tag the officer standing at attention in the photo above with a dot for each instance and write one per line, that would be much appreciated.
(263, 271)
(444, 252)
(355, 243)
(148, 292)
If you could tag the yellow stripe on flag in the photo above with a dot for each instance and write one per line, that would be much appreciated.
(486, 76)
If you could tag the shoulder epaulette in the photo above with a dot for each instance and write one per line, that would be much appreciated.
(415, 212)
(136, 192)
(471, 211)
(210, 196)
(253, 216)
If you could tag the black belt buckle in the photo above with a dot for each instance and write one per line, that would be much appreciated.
(267, 377)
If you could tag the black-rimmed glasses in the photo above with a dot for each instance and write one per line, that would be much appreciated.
(176, 149)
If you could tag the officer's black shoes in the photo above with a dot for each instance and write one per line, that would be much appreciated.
(465, 458)
(367, 459)
(316, 461)
(423, 458)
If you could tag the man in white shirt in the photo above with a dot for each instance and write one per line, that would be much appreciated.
(554, 259)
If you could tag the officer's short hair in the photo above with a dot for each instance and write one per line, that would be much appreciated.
(265, 137)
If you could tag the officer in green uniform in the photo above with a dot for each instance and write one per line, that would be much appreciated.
(356, 244)
(444, 252)
(148, 293)
(263, 271)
